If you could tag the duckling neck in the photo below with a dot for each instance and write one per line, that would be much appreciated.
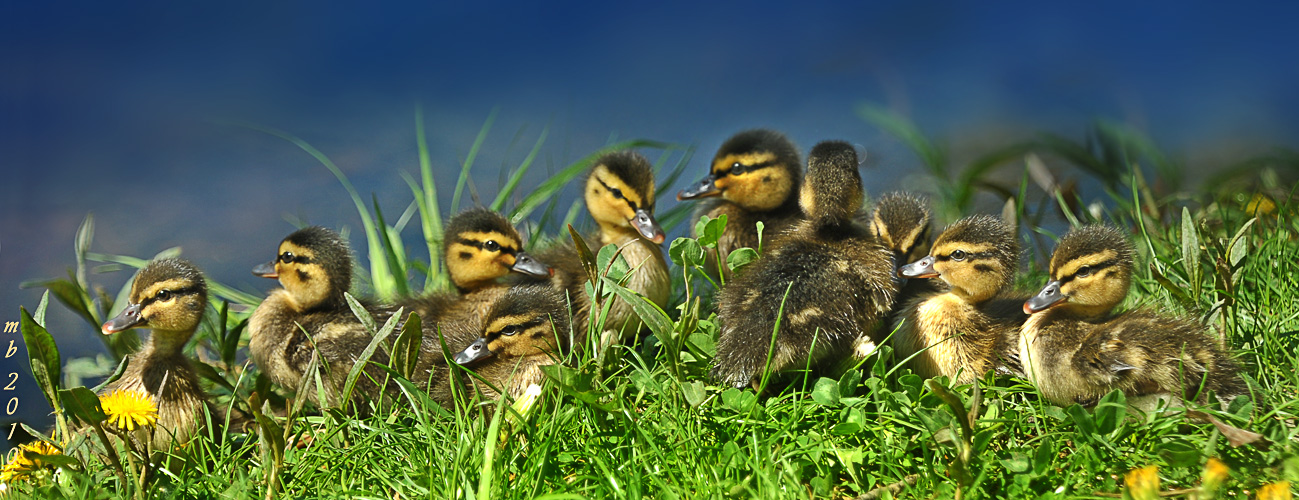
(164, 343)
(611, 234)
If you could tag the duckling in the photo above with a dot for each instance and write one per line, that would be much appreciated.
(754, 178)
(830, 276)
(310, 314)
(168, 297)
(1076, 350)
(963, 331)
(619, 193)
(526, 328)
(480, 247)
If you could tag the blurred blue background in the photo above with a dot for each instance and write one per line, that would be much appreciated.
(124, 110)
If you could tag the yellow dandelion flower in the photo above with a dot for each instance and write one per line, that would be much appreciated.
(1143, 483)
(1260, 204)
(1215, 474)
(1274, 491)
(128, 409)
(21, 465)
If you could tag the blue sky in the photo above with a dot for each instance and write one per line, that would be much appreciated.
(124, 110)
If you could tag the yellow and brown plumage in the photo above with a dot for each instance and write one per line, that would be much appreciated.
(526, 328)
(839, 280)
(754, 177)
(168, 297)
(1076, 350)
(479, 249)
(968, 327)
(619, 194)
(310, 314)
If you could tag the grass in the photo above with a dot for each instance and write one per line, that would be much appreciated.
(652, 424)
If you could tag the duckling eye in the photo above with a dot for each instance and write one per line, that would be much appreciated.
(617, 193)
(1084, 272)
(958, 255)
(286, 257)
(163, 296)
(491, 246)
(738, 168)
(510, 330)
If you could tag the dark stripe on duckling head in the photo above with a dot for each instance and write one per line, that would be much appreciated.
(540, 302)
(167, 269)
(1089, 240)
(634, 170)
(480, 220)
(782, 150)
(981, 238)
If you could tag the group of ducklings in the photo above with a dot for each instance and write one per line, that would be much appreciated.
(834, 283)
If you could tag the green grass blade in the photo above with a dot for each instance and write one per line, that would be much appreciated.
(469, 159)
(513, 182)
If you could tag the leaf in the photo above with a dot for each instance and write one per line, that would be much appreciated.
(584, 254)
(1176, 291)
(367, 353)
(686, 252)
(848, 383)
(845, 428)
(826, 391)
(1236, 436)
(738, 401)
(1110, 411)
(694, 393)
(361, 313)
(1239, 247)
(57, 460)
(1086, 426)
(406, 350)
(43, 355)
(610, 262)
(208, 372)
(1191, 251)
(658, 321)
(741, 257)
(712, 231)
(82, 404)
(1179, 453)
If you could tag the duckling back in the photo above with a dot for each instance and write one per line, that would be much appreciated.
(827, 283)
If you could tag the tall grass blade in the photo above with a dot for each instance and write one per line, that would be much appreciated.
(469, 159)
(513, 182)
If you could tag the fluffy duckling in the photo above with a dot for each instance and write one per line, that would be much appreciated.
(1076, 351)
(479, 248)
(619, 193)
(963, 331)
(755, 177)
(309, 314)
(527, 328)
(832, 278)
(167, 297)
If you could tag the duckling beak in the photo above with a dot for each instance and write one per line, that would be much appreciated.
(1049, 296)
(476, 351)
(129, 317)
(266, 270)
(526, 264)
(702, 189)
(923, 268)
(647, 226)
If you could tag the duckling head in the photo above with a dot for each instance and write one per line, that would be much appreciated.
(976, 256)
(620, 195)
(482, 246)
(1091, 271)
(314, 264)
(168, 296)
(757, 170)
(902, 223)
(832, 193)
(530, 320)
